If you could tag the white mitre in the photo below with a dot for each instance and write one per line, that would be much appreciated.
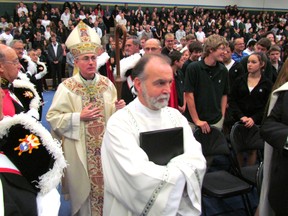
(82, 40)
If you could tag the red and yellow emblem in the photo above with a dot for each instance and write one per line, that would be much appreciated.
(29, 143)
(28, 94)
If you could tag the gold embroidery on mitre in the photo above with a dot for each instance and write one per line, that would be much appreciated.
(28, 94)
(83, 32)
(85, 47)
(83, 40)
(28, 143)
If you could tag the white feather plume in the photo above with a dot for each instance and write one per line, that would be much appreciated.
(102, 59)
(127, 64)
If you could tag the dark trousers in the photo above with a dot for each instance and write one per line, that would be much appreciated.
(56, 73)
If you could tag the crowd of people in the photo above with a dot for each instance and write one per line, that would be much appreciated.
(215, 67)
(38, 24)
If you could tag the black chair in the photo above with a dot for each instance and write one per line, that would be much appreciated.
(245, 139)
(221, 183)
(259, 178)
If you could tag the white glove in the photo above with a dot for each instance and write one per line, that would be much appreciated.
(40, 75)
(48, 204)
(32, 68)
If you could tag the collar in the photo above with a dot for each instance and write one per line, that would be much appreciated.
(86, 80)
(5, 84)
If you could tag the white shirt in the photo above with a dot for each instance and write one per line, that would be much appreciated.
(248, 51)
(55, 47)
(65, 18)
(45, 23)
(229, 65)
(21, 9)
(8, 38)
(130, 178)
(98, 31)
(93, 18)
(180, 34)
(117, 18)
(200, 36)
(47, 35)
(122, 21)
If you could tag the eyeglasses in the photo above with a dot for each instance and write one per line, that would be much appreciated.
(14, 62)
(18, 48)
(88, 59)
(223, 48)
(152, 49)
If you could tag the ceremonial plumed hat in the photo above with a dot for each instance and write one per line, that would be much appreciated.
(31, 148)
(82, 40)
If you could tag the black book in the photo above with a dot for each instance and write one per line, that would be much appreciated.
(162, 145)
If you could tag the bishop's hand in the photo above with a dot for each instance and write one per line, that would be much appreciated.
(90, 113)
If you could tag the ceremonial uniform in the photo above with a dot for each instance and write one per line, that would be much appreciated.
(104, 66)
(127, 64)
(31, 167)
(21, 96)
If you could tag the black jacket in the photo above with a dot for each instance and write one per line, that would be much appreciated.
(252, 104)
(274, 131)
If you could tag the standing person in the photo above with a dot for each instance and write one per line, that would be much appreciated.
(80, 109)
(28, 179)
(6, 36)
(169, 43)
(273, 198)
(250, 46)
(177, 94)
(263, 45)
(103, 27)
(152, 45)
(55, 56)
(206, 86)
(65, 17)
(235, 69)
(19, 95)
(274, 54)
(248, 98)
(200, 35)
(195, 49)
(180, 33)
(70, 63)
(132, 48)
(37, 77)
(239, 47)
(147, 188)
(28, 68)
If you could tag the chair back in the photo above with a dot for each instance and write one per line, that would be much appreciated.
(245, 139)
(213, 143)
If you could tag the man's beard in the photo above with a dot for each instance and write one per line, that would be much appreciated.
(155, 102)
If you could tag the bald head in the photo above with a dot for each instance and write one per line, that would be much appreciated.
(152, 46)
(9, 63)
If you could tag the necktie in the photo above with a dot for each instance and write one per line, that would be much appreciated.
(8, 105)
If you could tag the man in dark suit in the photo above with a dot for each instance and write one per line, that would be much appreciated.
(55, 56)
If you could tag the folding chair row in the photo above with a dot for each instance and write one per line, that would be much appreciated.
(221, 183)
